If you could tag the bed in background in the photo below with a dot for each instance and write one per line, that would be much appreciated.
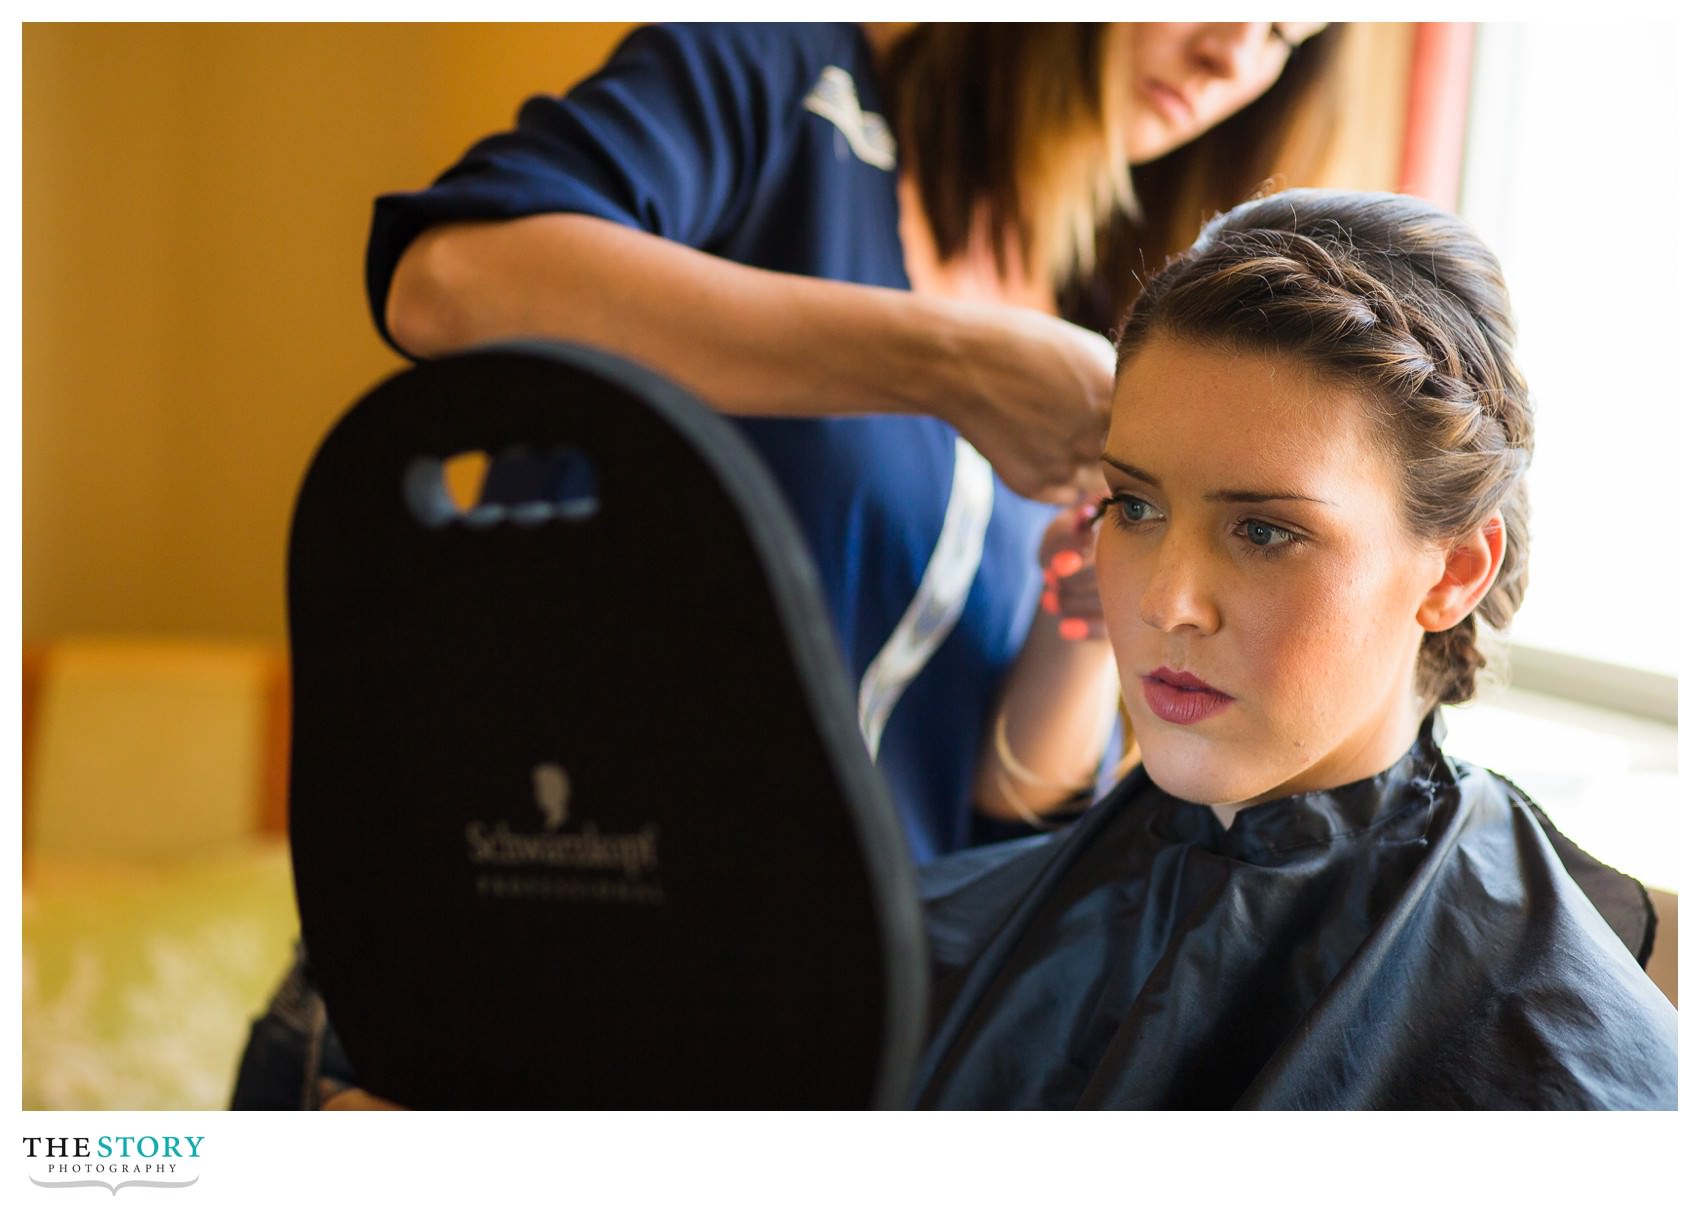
(158, 911)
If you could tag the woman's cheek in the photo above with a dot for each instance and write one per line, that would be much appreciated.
(1290, 645)
(1273, 636)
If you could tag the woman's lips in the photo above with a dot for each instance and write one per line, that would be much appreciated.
(1181, 698)
(1176, 108)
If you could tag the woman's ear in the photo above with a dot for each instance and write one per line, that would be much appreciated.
(1472, 563)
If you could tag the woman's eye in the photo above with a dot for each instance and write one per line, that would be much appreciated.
(1127, 510)
(1266, 536)
(1132, 509)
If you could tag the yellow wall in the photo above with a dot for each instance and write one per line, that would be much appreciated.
(196, 199)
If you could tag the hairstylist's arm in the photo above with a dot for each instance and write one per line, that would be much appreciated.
(1031, 392)
(1058, 704)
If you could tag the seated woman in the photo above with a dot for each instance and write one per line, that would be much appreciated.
(1316, 462)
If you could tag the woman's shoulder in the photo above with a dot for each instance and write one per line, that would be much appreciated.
(1620, 899)
(1554, 972)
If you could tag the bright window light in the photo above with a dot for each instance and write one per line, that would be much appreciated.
(1571, 172)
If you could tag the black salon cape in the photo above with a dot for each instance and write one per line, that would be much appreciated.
(1410, 941)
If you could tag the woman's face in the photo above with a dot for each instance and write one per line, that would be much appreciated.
(1259, 587)
(1186, 77)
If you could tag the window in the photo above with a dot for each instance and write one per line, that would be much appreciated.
(1572, 162)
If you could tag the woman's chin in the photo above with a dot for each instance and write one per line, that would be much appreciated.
(1208, 781)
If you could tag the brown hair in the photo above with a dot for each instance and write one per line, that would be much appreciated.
(1403, 301)
(1011, 125)
(1023, 121)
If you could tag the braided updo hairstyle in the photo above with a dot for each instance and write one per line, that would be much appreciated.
(1403, 302)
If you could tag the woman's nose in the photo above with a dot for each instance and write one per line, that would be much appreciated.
(1178, 595)
(1228, 48)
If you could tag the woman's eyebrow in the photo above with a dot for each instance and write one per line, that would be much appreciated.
(1251, 496)
(1128, 469)
(1243, 496)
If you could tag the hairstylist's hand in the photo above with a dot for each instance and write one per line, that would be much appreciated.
(1036, 400)
(1067, 553)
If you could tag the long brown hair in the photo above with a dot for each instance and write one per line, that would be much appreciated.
(1017, 126)
(1402, 300)
(1010, 125)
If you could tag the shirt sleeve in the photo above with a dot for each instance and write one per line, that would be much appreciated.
(669, 137)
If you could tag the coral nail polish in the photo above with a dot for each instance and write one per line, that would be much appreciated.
(1067, 563)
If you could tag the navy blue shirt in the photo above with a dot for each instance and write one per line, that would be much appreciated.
(764, 144)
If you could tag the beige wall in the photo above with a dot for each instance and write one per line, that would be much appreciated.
(196, 200)
(1369, 132)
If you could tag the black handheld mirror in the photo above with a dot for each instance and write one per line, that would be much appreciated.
(579, 809)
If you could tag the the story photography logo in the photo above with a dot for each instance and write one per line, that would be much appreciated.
(112, 1161)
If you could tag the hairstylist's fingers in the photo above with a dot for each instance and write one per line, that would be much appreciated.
(1035, 398)
(1078, 590)
(1075, 629)
(1067, 548)
(1079, 606)
(1066, 563)
(1089, 482)
(1060, 495)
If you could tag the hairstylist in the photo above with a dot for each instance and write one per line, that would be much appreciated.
(852, 240)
